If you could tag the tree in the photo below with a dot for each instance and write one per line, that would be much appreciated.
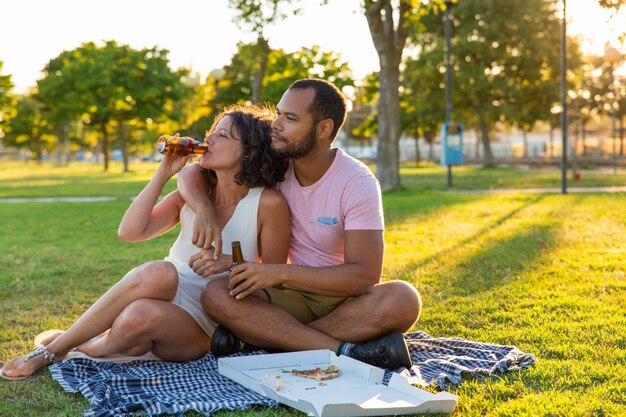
(422, 101)
(500, 73)
(61, 98)
(612, 4)
(111, 85)
(29, 129)
(256, 16)
(6, 100)
(389, 24)
(283, 69)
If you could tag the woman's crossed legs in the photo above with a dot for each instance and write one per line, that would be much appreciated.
(140, 318)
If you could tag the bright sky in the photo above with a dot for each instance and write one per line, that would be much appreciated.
(200, 33)
(597, 25)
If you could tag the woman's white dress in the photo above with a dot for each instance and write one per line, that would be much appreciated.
(242, 226)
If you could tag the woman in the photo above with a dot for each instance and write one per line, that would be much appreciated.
(156, 306)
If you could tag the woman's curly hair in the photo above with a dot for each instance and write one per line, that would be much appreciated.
(261, 166)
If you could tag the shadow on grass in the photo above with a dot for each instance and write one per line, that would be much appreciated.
(400, 205)
(502, 262)
(480, 233)
(509, 259)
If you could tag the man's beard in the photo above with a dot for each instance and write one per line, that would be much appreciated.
(298, 150)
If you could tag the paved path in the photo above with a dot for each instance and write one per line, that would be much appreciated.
(54, 199)
(555, 190)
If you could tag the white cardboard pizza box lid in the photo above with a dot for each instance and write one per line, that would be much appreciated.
(357, 392)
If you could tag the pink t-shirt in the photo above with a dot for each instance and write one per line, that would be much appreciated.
(347, 197)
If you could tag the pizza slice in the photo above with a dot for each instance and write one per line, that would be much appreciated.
(318, 374)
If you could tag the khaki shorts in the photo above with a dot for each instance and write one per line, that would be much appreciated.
(304, 306)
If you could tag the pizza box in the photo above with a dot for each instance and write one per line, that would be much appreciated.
(358, 391)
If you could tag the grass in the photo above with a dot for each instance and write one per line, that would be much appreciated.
(542, 272)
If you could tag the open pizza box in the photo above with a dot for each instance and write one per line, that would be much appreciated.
(358, 391)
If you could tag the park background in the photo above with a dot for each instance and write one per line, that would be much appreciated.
(497, 257)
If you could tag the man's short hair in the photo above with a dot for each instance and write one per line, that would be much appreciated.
(328, 102)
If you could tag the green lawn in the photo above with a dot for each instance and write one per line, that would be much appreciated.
(544, 272)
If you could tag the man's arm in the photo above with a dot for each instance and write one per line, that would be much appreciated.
(194, 186)
(362, 269)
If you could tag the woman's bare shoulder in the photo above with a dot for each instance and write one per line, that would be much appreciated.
(272, 200)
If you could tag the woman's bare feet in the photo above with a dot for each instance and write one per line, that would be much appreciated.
(21, 368)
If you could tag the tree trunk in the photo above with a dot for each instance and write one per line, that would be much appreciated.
(257, 85)
(525, 139)
(389, 38)
(429, 137)
(551, 147)
(484, 137)
(61, 134)
(66, 150)
(584, 136)
(418, 157)
(122, 137)
(38, 150)
(388, 157)
(105, 146)
(477, 149)
(59, 146)
(621, 136)
(574, 154)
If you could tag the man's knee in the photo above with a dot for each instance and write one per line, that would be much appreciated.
(403, 300)
(215, 298)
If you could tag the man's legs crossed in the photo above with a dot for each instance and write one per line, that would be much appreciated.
(385, 310)
(372, 324)
(259, 323)
(392, 306)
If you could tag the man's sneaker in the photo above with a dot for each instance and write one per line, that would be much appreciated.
(389, 352)
(224, 343)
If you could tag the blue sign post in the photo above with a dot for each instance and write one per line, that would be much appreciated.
(451, 147)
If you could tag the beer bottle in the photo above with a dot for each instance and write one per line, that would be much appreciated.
(237, 255)
(177, 145)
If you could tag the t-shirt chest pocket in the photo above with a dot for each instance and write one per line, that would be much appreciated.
(327, 233)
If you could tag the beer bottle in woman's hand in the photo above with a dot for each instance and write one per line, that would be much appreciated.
(177, 145)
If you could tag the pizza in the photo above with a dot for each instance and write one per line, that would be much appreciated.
(318, 374)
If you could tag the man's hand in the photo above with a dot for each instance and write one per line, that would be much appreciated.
(195, 187)
(207, 233)
(204, 264)
(249, 277)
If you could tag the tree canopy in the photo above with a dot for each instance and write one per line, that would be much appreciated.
(111, 84)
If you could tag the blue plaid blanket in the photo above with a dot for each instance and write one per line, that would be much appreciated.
(154, 388)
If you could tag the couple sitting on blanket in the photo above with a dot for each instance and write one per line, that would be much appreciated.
(272, 181)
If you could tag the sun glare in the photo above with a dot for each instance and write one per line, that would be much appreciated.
(597, 26)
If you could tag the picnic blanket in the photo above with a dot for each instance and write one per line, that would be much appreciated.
(153, 388)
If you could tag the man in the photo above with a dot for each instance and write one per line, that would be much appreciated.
(330, 296)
